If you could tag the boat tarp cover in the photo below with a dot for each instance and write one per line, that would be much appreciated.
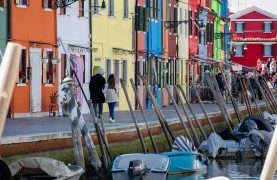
(182, 144)
(37, 165)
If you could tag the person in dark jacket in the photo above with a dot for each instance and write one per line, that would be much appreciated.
(220, 82)
(97, 83)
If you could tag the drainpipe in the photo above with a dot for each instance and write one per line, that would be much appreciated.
(90, 37)
(136, 46)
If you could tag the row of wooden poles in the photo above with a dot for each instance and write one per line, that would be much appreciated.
(8, 75)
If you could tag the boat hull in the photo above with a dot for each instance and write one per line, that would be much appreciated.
(156, 166)
(185, 162)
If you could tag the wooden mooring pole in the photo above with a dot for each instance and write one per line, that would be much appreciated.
(133, 116)
(144, 116)
(77, 118)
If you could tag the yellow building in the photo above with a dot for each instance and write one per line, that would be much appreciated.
(112, 36)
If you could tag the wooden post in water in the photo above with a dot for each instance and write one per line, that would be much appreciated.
(235, 106)
(263, 95)
(8, 73)
(144, 116)
(133, 116)
(245, 96)
(76, 117)
(212, 88)
(195, 117)
(187, 115)
(270, 95)
(161, 117)
(252, 92)
(202, 106)
(180, 117)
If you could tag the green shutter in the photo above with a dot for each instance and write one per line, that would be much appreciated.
(146, 19)
(236, 27)
(263, 26)
(272, 50)
(263, 50)
(243, 27)
(271, 27)
(140, 18)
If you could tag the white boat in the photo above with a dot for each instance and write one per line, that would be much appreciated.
(44, 168)
(140, 166)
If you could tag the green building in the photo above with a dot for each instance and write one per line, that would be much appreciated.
(3, 27)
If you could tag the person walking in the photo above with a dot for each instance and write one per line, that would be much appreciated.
(111, 90)
(272, 69)
(96, 84)
(274, 80)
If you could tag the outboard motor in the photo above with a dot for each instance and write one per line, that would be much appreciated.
(136, 168)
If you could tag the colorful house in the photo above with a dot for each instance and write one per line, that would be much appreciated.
(73, 28)
(182, 43)
(255, 37)
(218, 28)
(112, 36)
(3, 27)
(37, 76)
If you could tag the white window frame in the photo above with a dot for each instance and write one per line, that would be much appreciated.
(111, 9)
(239, 49)
(241, 25)
(266, 47)
(45, 5)
(20, 4)
(124, 70)
(126, 9)
(269, 30)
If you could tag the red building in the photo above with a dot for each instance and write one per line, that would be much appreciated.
(254, 36)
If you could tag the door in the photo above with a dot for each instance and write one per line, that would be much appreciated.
(36, 71)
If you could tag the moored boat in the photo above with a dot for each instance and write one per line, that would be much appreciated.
(44, 168)
(140, 166)
(186, 162)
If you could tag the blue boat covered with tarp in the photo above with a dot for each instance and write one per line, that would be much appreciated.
(184, 157)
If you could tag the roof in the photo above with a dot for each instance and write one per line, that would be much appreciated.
(251, 9)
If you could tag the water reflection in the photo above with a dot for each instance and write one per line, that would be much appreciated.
(243, 169)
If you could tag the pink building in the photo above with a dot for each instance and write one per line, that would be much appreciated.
(254, 36)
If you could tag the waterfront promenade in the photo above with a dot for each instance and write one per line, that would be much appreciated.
(42, 129)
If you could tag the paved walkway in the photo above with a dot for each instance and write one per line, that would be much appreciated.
(41, 128)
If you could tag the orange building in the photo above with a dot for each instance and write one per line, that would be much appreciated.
(33, 25)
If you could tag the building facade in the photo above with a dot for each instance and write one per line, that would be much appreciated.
(3, 27)
(37, 77)
(255, 36)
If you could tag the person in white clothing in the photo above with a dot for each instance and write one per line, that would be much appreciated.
(111, 90)
(272, 67)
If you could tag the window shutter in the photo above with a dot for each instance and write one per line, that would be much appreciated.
(236, 27)
(263, 27)
(243, 27)
(126, 9)
(140, 18)
(272, 50)
(25, 66)
(145, 19)
(242, 49)
(175, 19)
(111, 9)
(263, 50)
(271, 26)
(44, 69)
(208, 32)
(63, 65)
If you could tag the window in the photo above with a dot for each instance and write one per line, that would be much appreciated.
(95, 7)
(239, 27)
(22, 75)
(108, 67)
(267, 50)
(126, 9)
(22, 2)
(175, 19)
(239, 50)
(3, 3)
(47, 4)
(81, 8)
(143, 17)
(180, 19)
(48, 69)
(190, 22)
(267, 26)
(153, 5)
(124, 70)
(195, 26)
(111, 8)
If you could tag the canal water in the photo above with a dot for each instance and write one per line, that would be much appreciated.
(233, 169)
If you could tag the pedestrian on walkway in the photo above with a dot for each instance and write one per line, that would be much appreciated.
(254, 87)
(260, 96)
(220, 83)
(272, 69)
(96, 85)
(274, 80)
(111, 90)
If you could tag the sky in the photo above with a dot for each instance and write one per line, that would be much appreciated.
(268, 5)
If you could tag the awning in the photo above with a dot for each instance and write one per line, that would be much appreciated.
(75, 48)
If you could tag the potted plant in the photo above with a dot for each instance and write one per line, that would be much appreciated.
(54, 97)
(49, 76)
(21, 77)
